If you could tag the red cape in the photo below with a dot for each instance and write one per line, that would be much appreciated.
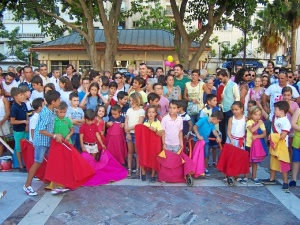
(233, 161)
(149, 146)
(28, 156)
(66, 166)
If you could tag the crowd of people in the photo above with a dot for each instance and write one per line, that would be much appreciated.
(84, 109)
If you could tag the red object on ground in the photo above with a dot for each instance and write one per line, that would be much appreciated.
(66, 166)
(28, 156)
(233, 161)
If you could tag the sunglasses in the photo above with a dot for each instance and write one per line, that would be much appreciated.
(118, 77)
(291, 77)
(247, 75)
(252, 75)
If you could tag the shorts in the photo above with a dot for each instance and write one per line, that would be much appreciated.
(18, 136)
(247, 148)
(173, 148)
(132, 138)
(91, 148)
(296, 155)
(206, 150)
(39, 153)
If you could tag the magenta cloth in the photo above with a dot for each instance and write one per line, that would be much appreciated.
(198, 158)
(284, 166)
(115, 142)
(107, 169)
(257, 152)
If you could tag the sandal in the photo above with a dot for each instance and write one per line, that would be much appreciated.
(129, 173)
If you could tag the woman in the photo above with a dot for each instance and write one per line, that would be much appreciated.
(241, 79)
(209, 81)
(265, 81)
(171, 92)
(193, 93)
(118, 78)
(149, 85)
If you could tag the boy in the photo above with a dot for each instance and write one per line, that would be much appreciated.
(63, 125)
(37, 85)
(26, 93)
(210, 107)
(279, 158)
(104, 87)
(163, 101)
(172, 126)
(19, 120)
(116, 116)
(153, 99)
(42, 137)
(202, 130)
(186, 119)
(122, 102)
(89, 134)
(37, 105)
(76, 115)
(138, 83)
(113, 86)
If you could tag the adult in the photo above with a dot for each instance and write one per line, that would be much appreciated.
(203, 74)
(242, 79)
(159, 71)
(8, 84)
(69, 71)
(193, 93)
(54, 79)
(85, 83)
(209, 81)
(143, 71)
(1, 74)
(43, 68)
(170, 91)
(274, 92)
(251, 79)
(265, 80)
(28, 74)
(149, 85)
(180, 80)
(217, 81)
(118, 78)
(291, 80)
(150, 72)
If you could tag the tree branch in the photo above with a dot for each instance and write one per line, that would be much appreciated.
(178, 20)
(102, 14)
(88, 16)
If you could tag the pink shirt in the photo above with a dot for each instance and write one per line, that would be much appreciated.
(164, 105)
(294, 106)
(172, 128)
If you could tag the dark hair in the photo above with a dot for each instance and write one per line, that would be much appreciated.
(174, 102)
(55, 69)
(122, 94)
(151, 107)
(268, 83)
(15, 91)
(287, 89)
(210, 97)
(161, 79)
(152, 96)
(85, 78)
(252, 102)
(94, 84)
(105, 80)
(89, 114)
(24, 88)
(62, 106)
(67, 82)
(36, 103)
(94, 74)
(116, 73)
(218, 114)
(157, 84)
(223, 73)
(271, 63)
(239, 104)
(196, 71)
(169, 71)
(183, 104)
(116, 108)
(51, 96)
(27, 67)
(151, 69)
(49, 85)
(42, 65)
(73, 95)
(159, 68)
(167, 76)
(36, 80)
(98, 107)
(239, 78)
(70, 65)
(179, 65)
(282, 105)
(113, 84)
(75, 81)
(140, 80)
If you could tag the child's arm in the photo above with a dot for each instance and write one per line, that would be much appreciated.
(83, 102)
(7, 111)
(57, 137)
(27, 125)
(229, 130)
(216, 133)
(69, 134)
(180, 139)
(13, 121)
(256, 136)
(128, 136)
(283, 135)
(294, 120)
(100, 140)
(195, 128)
(252, 129)
(105, 101)
(81, 142)
(190, 125)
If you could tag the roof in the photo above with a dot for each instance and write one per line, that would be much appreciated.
(12, 59)
(140, 39)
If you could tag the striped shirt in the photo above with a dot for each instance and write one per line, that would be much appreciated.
(45, 122)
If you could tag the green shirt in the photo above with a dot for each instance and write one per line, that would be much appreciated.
(181, 83)
(63, 126)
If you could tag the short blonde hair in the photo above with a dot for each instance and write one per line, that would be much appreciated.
(254, 109)
(137, 98)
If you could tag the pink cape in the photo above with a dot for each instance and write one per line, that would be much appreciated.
(107, 169)
(174, 167)
(116, 144)
(198, 158)
(257, 152)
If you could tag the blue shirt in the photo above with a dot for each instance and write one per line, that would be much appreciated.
(121, 119)
(25, 83)
(81, 95)
(92, 102)
(45, 122)
(19, 112)
(204, 128)
(75, 114)
(251, 84)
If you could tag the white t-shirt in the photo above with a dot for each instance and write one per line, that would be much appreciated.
(282, 124)
(134, 116)
(55, 81)
(64, 96)
(46, 80)
(8, 87)
(35, 94)
(274, 91)
(32, 124)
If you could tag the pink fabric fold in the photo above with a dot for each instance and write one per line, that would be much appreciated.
(198, 158)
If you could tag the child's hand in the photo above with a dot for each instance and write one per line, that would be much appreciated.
(103, 146)
(200, 138)
(122, 125)
(152, 128)
(67, 138)
(102, 133)
(83, 149)
(218, 139)
(58, 138)
(260, 122)
(109, 124)
(164, 147)
(254, 137)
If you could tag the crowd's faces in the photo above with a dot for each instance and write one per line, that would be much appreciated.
(28, 74)
(159, 72)
(290, 78)
(252, 73)
(258, 82)
(265, 80)
(173, 109)
(195, 77)
(94, 91)
(210, 84)
(85, 84)
(223, 79)
(74, 101)
(282, 79)
(11, 69)
(158, 90)
(124, 100)
(118, 78)
(170, 81)
(9, 79)
(56, 73)
(143, 70)
(115, 114)
(149, 73)
(296, 75)
(69, 71)
(107, 74)
(44, 71)
(178, 72)
(149, 86)
(287, 96)
(246, 76)
(270, 66)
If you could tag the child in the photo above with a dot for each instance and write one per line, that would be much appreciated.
(135, 115)
(255, 93)
(49, 87)
(123, 102)
(37, 106)
(279, 154)
(89, 134)
(138, 83)
(63, 125)
(163, 101)
(187, 123)
(4, 116)
(42, 137)
(202, 130)
(236, 130)
(154, 124)
(26, 93)
(66, 89)
(92, 98)
(253, 125)
(76, 115)
(37, 85)
(104, 86)
(111, 101)
(100, 123)
(19, 120)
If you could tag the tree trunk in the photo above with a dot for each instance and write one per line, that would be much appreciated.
(92, 53)
(183, 54)
(110, 54)
(294, 45)
(271, 57)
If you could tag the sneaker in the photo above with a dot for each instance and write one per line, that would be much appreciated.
(244, 181)
(285, 187)
(2, 193)
(153, 179)
(292, 183)
(29, 190)
(143, 177)
(268, 181)
(23, 170)
(207, 173)
(59, 191)
(256, 181)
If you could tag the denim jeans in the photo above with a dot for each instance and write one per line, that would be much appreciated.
(76, 141)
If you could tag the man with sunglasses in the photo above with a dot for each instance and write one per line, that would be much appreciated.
(252, 78)
(291, 80)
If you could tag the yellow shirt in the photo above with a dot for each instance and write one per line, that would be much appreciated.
(156, 124)
(249, 134)
(143, 94)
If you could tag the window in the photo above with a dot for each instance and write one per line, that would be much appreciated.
(84, 66)
(61, 65)
(120, 65)
(135, 24)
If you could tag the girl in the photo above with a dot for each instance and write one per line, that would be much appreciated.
(100, 123)
(255, 93)
(92, 98)
(256, 131)
(49, 87)
(265, 81)
(66, 89)
(154, 124)
(135, 115)
(75, 81)
(4, 116)
(236, 129)
(296, 144)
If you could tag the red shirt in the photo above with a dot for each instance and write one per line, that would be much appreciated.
(89, 132)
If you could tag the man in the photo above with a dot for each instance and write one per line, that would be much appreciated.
(55, 78)
(143, 71)
(8, 84)
(274, 92)
(69, 71)
(28, 74)
(179, 79)
(252, 78)
(44, 74)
